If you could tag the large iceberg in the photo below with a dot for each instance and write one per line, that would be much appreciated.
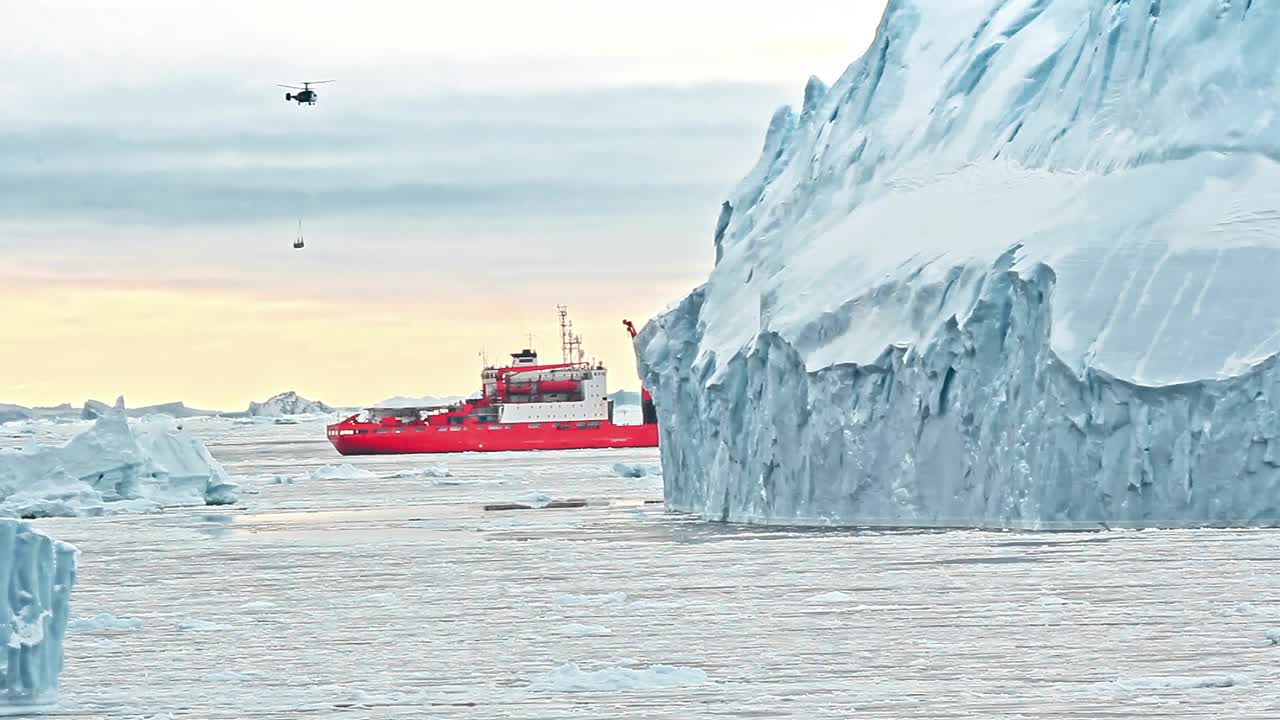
(38, 573)
(1016, 268)
(110, 467)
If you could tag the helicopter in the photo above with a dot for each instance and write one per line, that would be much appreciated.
(298, 244)
(307, 95)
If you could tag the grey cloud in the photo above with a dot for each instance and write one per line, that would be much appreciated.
(613, 189)
(612, 151)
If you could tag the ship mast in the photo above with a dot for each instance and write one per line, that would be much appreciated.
(570, 344)
(563, 311)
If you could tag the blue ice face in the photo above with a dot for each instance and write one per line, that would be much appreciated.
(40, 573)
(1013, 269)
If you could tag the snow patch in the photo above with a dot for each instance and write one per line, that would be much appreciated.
(570, 678)
(227, 676)
(103, 622)
(429, 471)
(1182, 683)
(538, 500)
(571, 600)
(635, 471)
(201, 626)
(222, 494)
(831, 597)
(585, 630)
(345, 471)
(137, 506)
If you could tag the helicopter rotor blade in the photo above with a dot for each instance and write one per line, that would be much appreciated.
(318, 82)
(291, 87)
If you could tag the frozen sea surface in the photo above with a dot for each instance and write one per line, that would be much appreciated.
(402, 597)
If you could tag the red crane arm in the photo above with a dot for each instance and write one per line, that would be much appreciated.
(644, 392)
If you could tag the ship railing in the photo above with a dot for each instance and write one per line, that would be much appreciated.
(406, 415)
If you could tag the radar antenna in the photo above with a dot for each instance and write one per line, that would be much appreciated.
(570, 344)
(563, 311)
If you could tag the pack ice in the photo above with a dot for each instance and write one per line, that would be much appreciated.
(110, 467)
(38, 573)
(1016, 268)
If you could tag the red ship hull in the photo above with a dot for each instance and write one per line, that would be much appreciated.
(355, 438)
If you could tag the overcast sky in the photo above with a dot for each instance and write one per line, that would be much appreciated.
(473, 165)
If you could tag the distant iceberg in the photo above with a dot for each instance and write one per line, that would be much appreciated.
(65, 411)
(287, 403)
(1015, 269)
(94, 409)
(14, 413)
(38, 573)
(401, 401)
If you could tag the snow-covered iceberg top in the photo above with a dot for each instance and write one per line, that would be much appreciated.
(38, 574)
(1132, 147)
(1015, 268)
(112, 466)
(288, 403)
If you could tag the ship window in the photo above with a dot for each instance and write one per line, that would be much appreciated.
(562, 426)
(382, 431)
(586, 425)
(455, 428)
(534, 426)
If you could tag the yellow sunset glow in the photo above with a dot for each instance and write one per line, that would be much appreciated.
(219, 349)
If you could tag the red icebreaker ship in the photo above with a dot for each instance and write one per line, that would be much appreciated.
(523, 406)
